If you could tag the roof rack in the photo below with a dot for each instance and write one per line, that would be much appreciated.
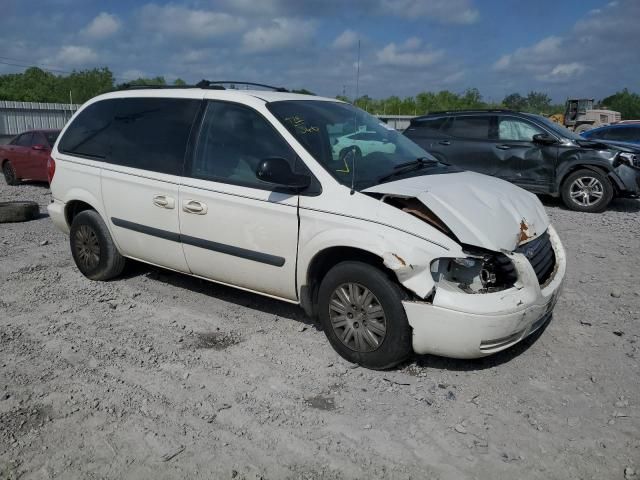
(218, 84)
(479, 110)
(208, 84)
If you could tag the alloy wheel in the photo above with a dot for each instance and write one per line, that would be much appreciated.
(357, 317)
(586, 191)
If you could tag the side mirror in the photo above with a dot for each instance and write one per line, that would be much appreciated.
(277, 170)
(544, 139)
(40, 148)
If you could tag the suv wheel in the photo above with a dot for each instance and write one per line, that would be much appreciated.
(362, 315)
(92, 247)
(587, 191)
(10, 174)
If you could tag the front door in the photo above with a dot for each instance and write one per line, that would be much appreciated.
(524, 162)
(236, 229)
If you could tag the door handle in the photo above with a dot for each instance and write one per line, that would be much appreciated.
(193, 206)
(444, 142)
(163, 201)
(503, 147)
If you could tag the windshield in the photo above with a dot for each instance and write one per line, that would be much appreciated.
(557, 128)
(353, 145)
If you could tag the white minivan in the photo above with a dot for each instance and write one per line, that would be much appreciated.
(393, 250)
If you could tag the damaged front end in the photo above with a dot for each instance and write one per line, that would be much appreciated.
(498, 287)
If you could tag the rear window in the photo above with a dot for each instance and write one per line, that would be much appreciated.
(428, 126)
(88, 134)
(146, 133)
(622, 134)
(476, 127)
(152, 133)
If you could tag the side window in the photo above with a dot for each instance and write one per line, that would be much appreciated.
(516, 130)
(88, 135)
(428, 127)
(473, 127)
(233, 140)
(152, 133)
(622, 134)
(24, 140)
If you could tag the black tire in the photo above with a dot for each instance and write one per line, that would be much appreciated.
(18, 211)
(395, 345)
(92, 247)
(10, 175)
(570, 188)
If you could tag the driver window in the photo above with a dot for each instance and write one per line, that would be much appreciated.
(232, 142)
(516, 130)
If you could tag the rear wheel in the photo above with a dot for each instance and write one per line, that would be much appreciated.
(361, 312)
(10, 174)
(92, 247)
(587, 191)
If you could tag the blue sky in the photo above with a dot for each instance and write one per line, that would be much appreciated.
(562, 47)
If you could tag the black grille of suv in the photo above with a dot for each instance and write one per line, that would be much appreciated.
(541, 256)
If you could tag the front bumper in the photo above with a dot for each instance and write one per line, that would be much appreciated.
(462, 325)
(627, 180)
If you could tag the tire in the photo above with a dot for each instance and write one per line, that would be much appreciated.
(583, 128)
(18, 211)
(10, 175)
(587, 191)
(92, 247)
(366, 345)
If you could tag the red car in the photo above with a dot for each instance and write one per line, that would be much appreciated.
(26, 156)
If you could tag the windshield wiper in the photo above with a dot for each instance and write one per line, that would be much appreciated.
(417, 164)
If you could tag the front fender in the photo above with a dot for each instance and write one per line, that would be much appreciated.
(409, 257)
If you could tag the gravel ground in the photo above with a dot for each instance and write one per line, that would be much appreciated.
(159, 375)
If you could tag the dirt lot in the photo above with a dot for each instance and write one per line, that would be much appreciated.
(158, 375)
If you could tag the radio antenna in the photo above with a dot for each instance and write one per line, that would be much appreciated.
(355, 123)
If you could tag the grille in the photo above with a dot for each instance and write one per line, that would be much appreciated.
(540, 254)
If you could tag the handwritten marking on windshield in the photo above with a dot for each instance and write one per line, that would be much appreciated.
(300, 126)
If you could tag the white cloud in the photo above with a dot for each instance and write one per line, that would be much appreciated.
(102, 26)
(446, 11)
(347, 39)
(280, 33)
(563, 72)
(173, 20)
(408, 55)
(75, 56)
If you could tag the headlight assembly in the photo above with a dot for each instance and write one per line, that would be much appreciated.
(475, 274)
(626, 158)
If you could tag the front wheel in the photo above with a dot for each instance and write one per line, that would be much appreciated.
(92, 247)
(587, 191)
(361, 312)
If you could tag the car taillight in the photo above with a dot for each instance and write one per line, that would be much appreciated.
(51, 168)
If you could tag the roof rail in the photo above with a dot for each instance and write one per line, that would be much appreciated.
(479, 110)
(136, 86)
(218, 84)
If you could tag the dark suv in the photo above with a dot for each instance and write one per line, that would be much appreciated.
(532, 152)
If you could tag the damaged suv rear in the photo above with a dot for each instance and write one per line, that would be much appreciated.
(477, 263)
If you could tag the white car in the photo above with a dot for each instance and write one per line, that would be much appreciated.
(396, 253)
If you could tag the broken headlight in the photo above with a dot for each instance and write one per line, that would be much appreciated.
(625, 158)
(483, 273)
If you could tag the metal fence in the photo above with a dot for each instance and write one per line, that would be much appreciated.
(16, 117)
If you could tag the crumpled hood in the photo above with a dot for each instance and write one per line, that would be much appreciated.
(480, 210)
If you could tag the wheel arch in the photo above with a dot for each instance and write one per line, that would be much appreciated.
(325, 260)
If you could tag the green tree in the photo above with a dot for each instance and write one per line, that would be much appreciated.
(515, 101)
(625, 102)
